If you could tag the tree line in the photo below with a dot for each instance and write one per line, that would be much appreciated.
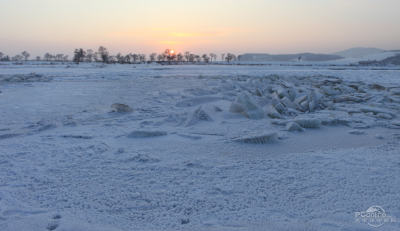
(103, 55)
(24, 56)
(168, 56)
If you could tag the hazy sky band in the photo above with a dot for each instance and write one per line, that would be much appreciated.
(272, 26)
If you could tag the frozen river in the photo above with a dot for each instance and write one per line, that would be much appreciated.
(205, 147)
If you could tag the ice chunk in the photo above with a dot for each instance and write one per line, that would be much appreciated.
(258, 92)
(304, 106)
(312, 105)
(327, 90)
(375, 110)
(395, 124)
(308, 123)
(293, 126)
(335, 121)
(281, 92)
(347, 98)
(273, 113)
(292, 93)
(395, 91)
(245, 106)
(300, 99)
(384, 116)
(280, 108)
(198, 115)
(376, 86)
(288, 103)
(258, 139)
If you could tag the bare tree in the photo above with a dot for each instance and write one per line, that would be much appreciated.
(104, 55)
(197, 58)
(47, 57)
(192, 58)
(135, 57)
(127, 58)
(59, 57)
(160, 57)
(38, 58)
(96, 56)
(142, 58)
(112, 59)
(230, 57)
(179, 57)
(223, 56)
(120, 58)
(17, 58)
(89, 55)
(205, 57)
(153, 57)
(187, 56)
(170, 55)
(213, 57)
(26, 55)
(4, 57)
(79, 55)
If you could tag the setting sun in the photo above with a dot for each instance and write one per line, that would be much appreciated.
(171, 52)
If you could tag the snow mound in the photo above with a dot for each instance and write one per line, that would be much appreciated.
(44, 222)
(141, 158)
(32, 77)
(9, 135)
(121, 108)
(356, 132)
(146, 134)
(196, 101)
(77, 137)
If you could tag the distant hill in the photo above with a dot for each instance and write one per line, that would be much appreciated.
(359, 52)
(288, 57)
(393, 60)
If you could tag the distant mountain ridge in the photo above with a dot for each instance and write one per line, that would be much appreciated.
(352, 53)
(393, 60)
(258, 57)
(359, 52)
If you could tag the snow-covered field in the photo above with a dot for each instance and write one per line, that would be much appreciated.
(202, 147)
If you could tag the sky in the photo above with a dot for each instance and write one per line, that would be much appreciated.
(200, 26)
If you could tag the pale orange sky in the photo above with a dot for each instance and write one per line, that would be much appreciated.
(270, 26)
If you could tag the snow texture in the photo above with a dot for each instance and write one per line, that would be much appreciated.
(202, 147)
